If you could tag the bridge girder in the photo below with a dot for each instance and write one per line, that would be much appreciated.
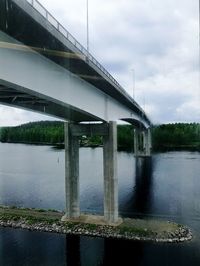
(43, 38)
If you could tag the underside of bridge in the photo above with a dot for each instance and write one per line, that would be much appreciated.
(22, 22)
(16, 96)
(43, 71)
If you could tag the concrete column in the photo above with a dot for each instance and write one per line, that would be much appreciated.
(110, 174)
(144, 141)
(71, 173)
(136, 142)
(147, 142)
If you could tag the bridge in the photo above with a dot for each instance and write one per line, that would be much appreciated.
(43, 68)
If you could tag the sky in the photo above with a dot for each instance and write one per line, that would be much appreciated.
(151, 48)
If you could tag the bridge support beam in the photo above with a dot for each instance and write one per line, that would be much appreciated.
(72, 134)
(142, 142)
(147, 142)
(136, 142)
(110, 174)
(71, 173)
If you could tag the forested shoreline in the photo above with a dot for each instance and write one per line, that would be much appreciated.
(176, 136)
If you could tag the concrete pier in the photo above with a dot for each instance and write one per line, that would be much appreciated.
(136, 142)
(71, 173)
(110, 174)
(148, 143)
(142, 142)
(72, 134)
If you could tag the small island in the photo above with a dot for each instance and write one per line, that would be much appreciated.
(92, 225)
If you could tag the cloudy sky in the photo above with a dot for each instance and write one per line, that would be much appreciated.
(150, 45)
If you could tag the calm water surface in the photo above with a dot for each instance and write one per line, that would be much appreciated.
(167, 187)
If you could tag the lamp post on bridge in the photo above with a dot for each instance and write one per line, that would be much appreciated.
(133, 78)
(87, 16)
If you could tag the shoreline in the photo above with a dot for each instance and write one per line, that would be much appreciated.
(60, 146)
(129, 229)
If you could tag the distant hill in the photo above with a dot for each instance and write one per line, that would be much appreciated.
(43, 132)
(164, 137)
(178, 136)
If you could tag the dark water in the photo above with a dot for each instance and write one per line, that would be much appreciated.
(167, 187)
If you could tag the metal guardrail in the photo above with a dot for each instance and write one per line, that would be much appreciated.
(54, 22)
(42, 10)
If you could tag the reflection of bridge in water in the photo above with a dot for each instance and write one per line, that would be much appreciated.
(140, 200)
(44, 69)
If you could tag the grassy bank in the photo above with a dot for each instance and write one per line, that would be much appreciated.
(130, 229)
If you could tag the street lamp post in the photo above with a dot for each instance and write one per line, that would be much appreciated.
(133, 77)
(87, 9)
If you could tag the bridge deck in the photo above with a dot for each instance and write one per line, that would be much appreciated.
(28, 22)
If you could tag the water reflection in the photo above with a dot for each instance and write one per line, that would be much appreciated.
(140, 201)
(152, 186)
(73, 250)
(121, 252)
(82, 250)
(21, 247)
(86, 251)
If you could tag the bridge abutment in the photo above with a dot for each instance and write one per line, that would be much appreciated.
(72, 134)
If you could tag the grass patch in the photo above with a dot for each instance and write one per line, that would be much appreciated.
(129, 228)
(13, 207)
(90, 226)
(52, 210)
(40, 210)
(136, 231)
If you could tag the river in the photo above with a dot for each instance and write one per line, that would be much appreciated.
(167, 186)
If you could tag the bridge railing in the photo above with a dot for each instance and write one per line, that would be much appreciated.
(54, 22)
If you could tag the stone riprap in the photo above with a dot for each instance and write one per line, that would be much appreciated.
(130, 229)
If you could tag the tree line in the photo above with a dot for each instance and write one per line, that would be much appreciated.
(164, 137)
(43, 132)
(52, 133)
(176, 136)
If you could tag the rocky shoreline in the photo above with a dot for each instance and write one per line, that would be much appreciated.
(130, 229)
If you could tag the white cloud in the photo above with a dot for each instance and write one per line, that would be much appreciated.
(159, 39)
(14, 116)
(190, 110)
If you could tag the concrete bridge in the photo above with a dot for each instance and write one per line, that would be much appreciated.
(43, 68)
